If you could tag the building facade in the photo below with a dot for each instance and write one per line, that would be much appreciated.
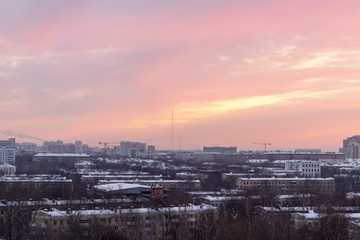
(7, 155)
(306, 168)
(132, 149)
(7, 151)
(134, 223)
(288, 185)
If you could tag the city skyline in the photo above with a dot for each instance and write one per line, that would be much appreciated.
(233, 72)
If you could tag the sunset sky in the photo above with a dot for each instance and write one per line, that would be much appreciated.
(234, 72)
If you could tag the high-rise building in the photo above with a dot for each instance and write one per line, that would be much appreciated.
(351, 147)
(132, 149)
(7, 151)
(8, 143)
(7, 155)
(26, 147)
(151, 149)
(58, 147)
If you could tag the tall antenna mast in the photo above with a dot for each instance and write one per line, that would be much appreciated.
(172, 130)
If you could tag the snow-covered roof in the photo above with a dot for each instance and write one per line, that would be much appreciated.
(101, 212)
(223, 198)
(6, 165)
(287, 179)
(36, 178)
(149, 181)
(84, 163)
(118, 187)
(257, 161)
(61, 155)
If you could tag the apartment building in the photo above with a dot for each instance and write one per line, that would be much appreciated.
(31, 184)
(132, 149)
(305, 168)
(288, 185)
(7, 151)
(7, 155)
(135, 223)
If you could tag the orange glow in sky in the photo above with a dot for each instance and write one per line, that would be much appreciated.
(233, 72)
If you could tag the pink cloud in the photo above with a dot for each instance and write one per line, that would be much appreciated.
(80, 69)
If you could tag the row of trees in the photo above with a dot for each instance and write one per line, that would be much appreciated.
(237, 220)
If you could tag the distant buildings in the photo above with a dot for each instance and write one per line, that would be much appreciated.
(26, 147)
(132, 149)
(78, 147)
(351, 147)
(60, 157)
(10, 143)
(151, 149)
(58, 147)
(220, 149)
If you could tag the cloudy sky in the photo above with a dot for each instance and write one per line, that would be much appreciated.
(233, 72)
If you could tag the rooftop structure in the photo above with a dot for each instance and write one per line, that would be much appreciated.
(123, 188)
(6, 169)
(184, 185)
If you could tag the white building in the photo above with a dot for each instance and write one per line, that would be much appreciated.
(306, 168)
(7, 155)
(6, 169)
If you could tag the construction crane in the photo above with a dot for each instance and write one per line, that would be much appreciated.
(108, 145)
(264, 144)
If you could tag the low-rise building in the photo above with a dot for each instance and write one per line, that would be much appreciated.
(121, 188)
(288, 185)
(73, 157)
(6, 169)
(184, 185)
(135, 223)
(53, 185)
(85, 165)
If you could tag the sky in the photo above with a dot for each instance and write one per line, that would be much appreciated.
(234, 73)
